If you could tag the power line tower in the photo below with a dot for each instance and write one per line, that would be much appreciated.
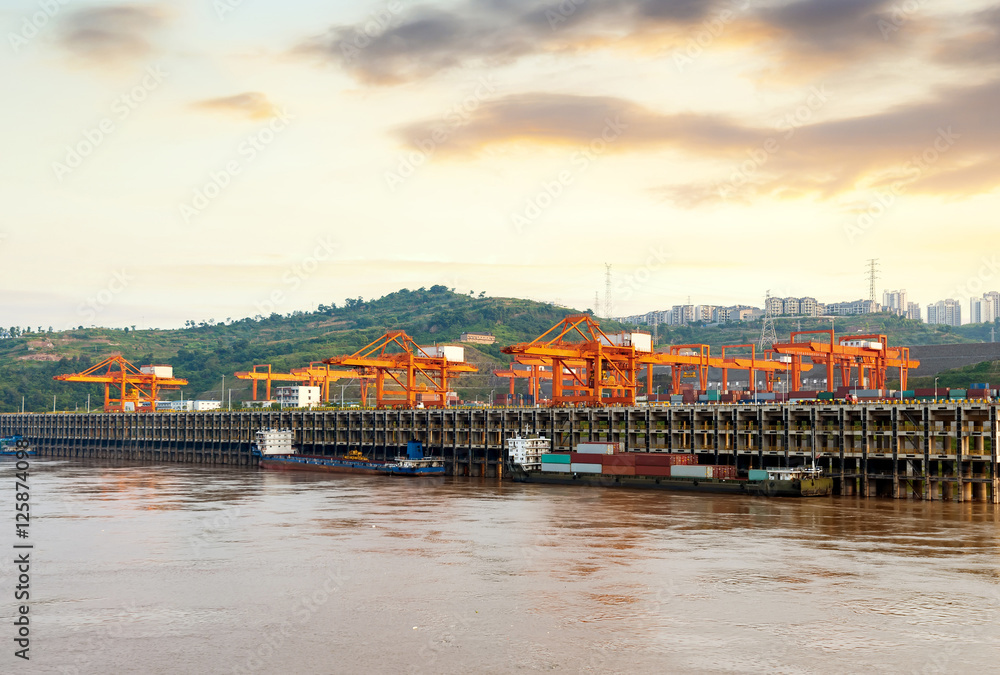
(872, 275)
(608, 302)
(767, 335)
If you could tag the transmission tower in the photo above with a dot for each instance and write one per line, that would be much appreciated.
(767, 335)
(872, 276)
(608, 302)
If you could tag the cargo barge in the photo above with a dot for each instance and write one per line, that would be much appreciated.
(275, 450)
(604, 465)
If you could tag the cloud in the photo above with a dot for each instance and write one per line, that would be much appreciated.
(251, 104)
(946, 144)
(564, 119)
(112, 33)
(424, 41)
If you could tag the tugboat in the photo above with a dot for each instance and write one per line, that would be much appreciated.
(275, 450)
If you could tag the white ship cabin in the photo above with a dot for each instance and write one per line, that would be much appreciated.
(797, 473)
(527, 452)
(275, 442)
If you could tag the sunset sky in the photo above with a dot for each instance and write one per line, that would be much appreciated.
(212, 159)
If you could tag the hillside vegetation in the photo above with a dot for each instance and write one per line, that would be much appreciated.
(205, 352)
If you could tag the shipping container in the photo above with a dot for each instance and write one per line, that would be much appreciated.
(724, 471)
(598, 448)
(713, 394)
(619, 470)
(826, 396)
(957, 393)
(978, 393)
(158, 371)
(652, 459)
(546, 466)
(980, 385)
(625, 459)
(691, 471)
(652, 470)
(582, 467)
(449, 352)
(554, 458)
(758, 474)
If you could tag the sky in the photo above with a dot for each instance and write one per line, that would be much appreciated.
(227, 158)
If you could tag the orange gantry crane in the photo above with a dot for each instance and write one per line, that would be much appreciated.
(127, 388)
(601, 369)
(869, 355)
(317, 374)
(416, 374)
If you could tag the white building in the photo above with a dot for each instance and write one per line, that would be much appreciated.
(913, 311)
(981, 310)
(849, 308)
(188, 406)
(298, 397)
(895, 302)
(947, 312)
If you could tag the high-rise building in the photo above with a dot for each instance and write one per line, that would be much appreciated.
(681, 314)
(895, 302)
(981, 310)
(913, 311)
(947, 312)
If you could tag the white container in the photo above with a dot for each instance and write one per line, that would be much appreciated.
(596, 448)
(577, 467)
(643, 342)
(452, 353)
(690, 471)
(158, 371)
(549, 466)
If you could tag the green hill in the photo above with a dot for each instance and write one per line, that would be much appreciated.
(205, 352)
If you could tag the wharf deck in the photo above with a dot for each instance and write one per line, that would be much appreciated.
(908, 451)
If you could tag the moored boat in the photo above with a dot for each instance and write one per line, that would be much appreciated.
(13, 446)
(605, 465)
(275, 449)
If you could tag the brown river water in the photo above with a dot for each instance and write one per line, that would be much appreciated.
(187, 569)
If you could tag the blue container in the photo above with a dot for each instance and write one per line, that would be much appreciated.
(414, 450)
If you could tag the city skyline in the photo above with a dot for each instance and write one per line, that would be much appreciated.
(167, 163)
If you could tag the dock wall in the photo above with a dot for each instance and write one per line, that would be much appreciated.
(906, 451)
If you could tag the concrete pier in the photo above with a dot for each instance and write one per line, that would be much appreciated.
(907, 451)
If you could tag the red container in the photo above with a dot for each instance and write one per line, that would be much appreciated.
(978, 393)
(683, 458)
(618, 470)
(652, 459)
(724, 471)
(652, 471)
(942, 392)
(625, 459)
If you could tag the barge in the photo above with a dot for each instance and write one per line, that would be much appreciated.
(604, 465)
(275, 450)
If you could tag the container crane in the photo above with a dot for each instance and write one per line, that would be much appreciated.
(317, 374)
(421, 374)
(128, 388)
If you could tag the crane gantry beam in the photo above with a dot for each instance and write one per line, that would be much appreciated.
(416, 372)
(317, 374)
(125, 383)
(871, 363)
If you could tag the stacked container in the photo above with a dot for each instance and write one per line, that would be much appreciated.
(555, 461)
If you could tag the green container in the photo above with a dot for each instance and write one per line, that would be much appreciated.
(713, 394)
(757, 474)
(826, 395)
(957, 393)
(553, 458)
(908, 393)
